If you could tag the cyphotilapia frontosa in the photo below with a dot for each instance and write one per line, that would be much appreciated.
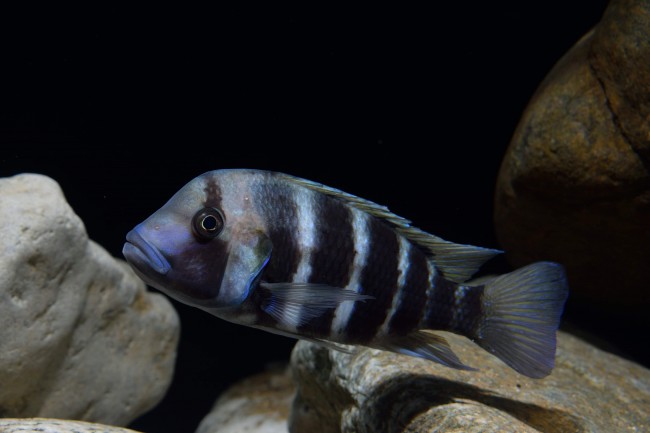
(297, 258)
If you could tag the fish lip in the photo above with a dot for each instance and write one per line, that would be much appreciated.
(139, 252)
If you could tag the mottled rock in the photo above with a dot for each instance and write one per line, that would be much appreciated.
(44, 425)
(574, 185)
(259, 404)
(373, 391)
(80, 336)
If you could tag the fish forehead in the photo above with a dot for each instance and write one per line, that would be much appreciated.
(229, 190)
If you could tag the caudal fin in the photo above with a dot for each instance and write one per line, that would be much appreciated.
(522, 311)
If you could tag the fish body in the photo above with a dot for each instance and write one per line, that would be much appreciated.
(297, 258)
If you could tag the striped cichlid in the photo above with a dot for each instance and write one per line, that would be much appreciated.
(300, 259)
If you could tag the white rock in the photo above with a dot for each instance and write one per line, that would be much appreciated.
(258, 404)
(80, 336)
(44, 425)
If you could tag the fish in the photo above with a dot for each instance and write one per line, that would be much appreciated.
(294, 257)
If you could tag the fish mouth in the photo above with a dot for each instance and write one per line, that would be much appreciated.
(144, 256)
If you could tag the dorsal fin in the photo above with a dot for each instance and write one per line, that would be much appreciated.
(457, 262)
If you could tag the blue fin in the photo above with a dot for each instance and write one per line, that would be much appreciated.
(458, 262)
(522, 311)
(424, 344)
(295, 304)
(344, 348)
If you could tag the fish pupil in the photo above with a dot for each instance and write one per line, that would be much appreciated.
(207, 223)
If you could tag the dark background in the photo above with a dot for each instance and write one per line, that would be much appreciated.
(410, 107)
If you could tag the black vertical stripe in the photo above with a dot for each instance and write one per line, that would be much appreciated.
(332, 260)
(275, 202)
(212, 193)
(413, 295)
(278, 207)
(378, 279)
(442, 303)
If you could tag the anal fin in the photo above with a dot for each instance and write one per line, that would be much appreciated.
(344, 348)
(424, 344)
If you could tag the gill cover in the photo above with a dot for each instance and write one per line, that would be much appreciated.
(249, 252)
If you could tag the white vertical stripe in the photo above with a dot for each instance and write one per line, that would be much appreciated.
(432, 287)
(305, 234)
(360, 234)
(459, 295)
(403, 267)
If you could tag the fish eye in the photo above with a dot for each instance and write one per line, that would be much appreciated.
(207, 223)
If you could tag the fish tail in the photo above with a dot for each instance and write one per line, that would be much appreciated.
(520, 316)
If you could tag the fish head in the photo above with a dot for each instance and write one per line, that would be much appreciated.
(203, 247)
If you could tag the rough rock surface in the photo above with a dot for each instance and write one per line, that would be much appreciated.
(574, 185)
(373, 391)
(44, 425)
(80, 337)
(259, 404)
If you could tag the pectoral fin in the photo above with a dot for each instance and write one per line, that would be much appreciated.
(294, 304)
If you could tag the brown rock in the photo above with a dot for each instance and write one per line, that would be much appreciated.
(620, 60)
(374, 391)
(574, 185)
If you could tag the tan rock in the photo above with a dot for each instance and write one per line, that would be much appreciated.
(374, 391)
(80, 336)
(574, 185)
(258, 404)
(619, 56)
(44, 425)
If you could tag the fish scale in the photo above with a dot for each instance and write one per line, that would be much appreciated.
(344, 309)
(378, 278)
(297, 258)
(327, 268)
(332, 260)
(413, 295)
(282, 210)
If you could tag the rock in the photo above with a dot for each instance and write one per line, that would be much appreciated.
(373, 391)
(80, 336)
(259, 404)
(44, 425)
(574, 185)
